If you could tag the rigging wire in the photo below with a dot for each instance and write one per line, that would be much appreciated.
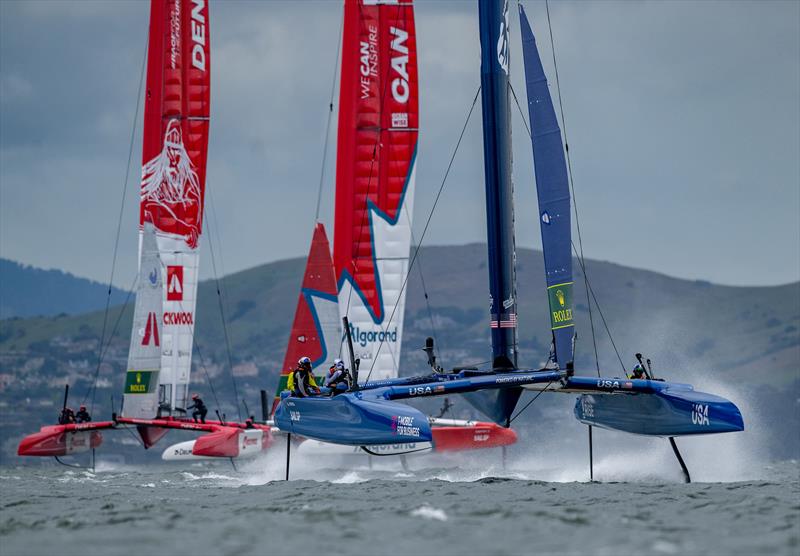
(225, 329)
(104, 350)
(599, 310)
(330, 117)
(119, 222)
(428, 221)
(539, 393)
(434, 333)
(572, 188)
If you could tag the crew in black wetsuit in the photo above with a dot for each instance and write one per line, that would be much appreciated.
(304, 383)
(82, 416)
(67, 416)
(200, 409)
(337, 374)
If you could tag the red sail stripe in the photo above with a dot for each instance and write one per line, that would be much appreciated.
(176, 116)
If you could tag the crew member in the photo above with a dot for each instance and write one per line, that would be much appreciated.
(337, 374)
(639, 371)
(304, 383)
(82, 416)
(200, 409)
(67, 416)
(248, 424)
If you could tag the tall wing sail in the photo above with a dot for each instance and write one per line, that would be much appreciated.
(375, 168)
(176, 121)
(552, 187)
(144, 357)
(315, 330)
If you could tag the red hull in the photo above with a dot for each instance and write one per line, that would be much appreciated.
(473, 437)
(229, 442)
(63, 440)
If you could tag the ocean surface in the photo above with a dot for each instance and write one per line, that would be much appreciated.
(462, 504)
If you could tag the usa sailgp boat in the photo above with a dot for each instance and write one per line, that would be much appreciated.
(371, 413)
(175, 145)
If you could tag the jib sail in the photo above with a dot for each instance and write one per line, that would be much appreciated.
(552, 187)
(315, 329)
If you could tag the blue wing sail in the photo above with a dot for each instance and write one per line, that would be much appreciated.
(552, 188)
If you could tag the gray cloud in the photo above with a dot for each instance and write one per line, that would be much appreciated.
(683, 120)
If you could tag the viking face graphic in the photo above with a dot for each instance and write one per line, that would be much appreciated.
(171, 196)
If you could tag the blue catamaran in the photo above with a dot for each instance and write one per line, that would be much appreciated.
(373, 415)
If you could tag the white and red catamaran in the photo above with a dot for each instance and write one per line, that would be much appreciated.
(175, 146)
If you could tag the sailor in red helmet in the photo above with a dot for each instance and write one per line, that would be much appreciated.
(82, 416)
(200, 409)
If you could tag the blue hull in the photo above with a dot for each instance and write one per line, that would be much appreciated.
(667, 410)
(351, 420)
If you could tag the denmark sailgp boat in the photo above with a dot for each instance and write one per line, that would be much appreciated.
(371, 413)
(175, 145)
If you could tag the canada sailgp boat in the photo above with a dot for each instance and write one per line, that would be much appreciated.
(175, 145)
(378, 131)
(371, 413)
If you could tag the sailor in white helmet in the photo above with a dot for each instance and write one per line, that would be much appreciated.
(337, 375)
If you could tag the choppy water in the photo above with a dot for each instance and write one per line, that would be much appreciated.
(438, 506)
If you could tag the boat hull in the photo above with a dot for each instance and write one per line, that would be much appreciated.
(473, 437)
(348, 419)
(666, 412)
(63, 440)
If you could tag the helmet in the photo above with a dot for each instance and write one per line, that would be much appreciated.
(82, 408)
(195, 396)
(339, 364)
(304, 361)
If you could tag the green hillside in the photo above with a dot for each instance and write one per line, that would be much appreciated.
(692, 330)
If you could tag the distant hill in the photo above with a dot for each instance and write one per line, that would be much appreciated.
(745, 340)
(26, 291)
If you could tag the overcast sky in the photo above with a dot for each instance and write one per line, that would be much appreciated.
(683, 120)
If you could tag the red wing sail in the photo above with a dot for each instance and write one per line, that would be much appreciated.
(377, 141)
(175, 146)
(315, 330)
(176, 118)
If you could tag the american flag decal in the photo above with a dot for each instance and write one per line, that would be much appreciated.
(510, 322)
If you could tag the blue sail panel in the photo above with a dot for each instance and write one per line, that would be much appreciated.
(552, 187)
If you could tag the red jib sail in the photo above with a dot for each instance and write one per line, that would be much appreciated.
(176, 120)
(377, 145)
(315, 330)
